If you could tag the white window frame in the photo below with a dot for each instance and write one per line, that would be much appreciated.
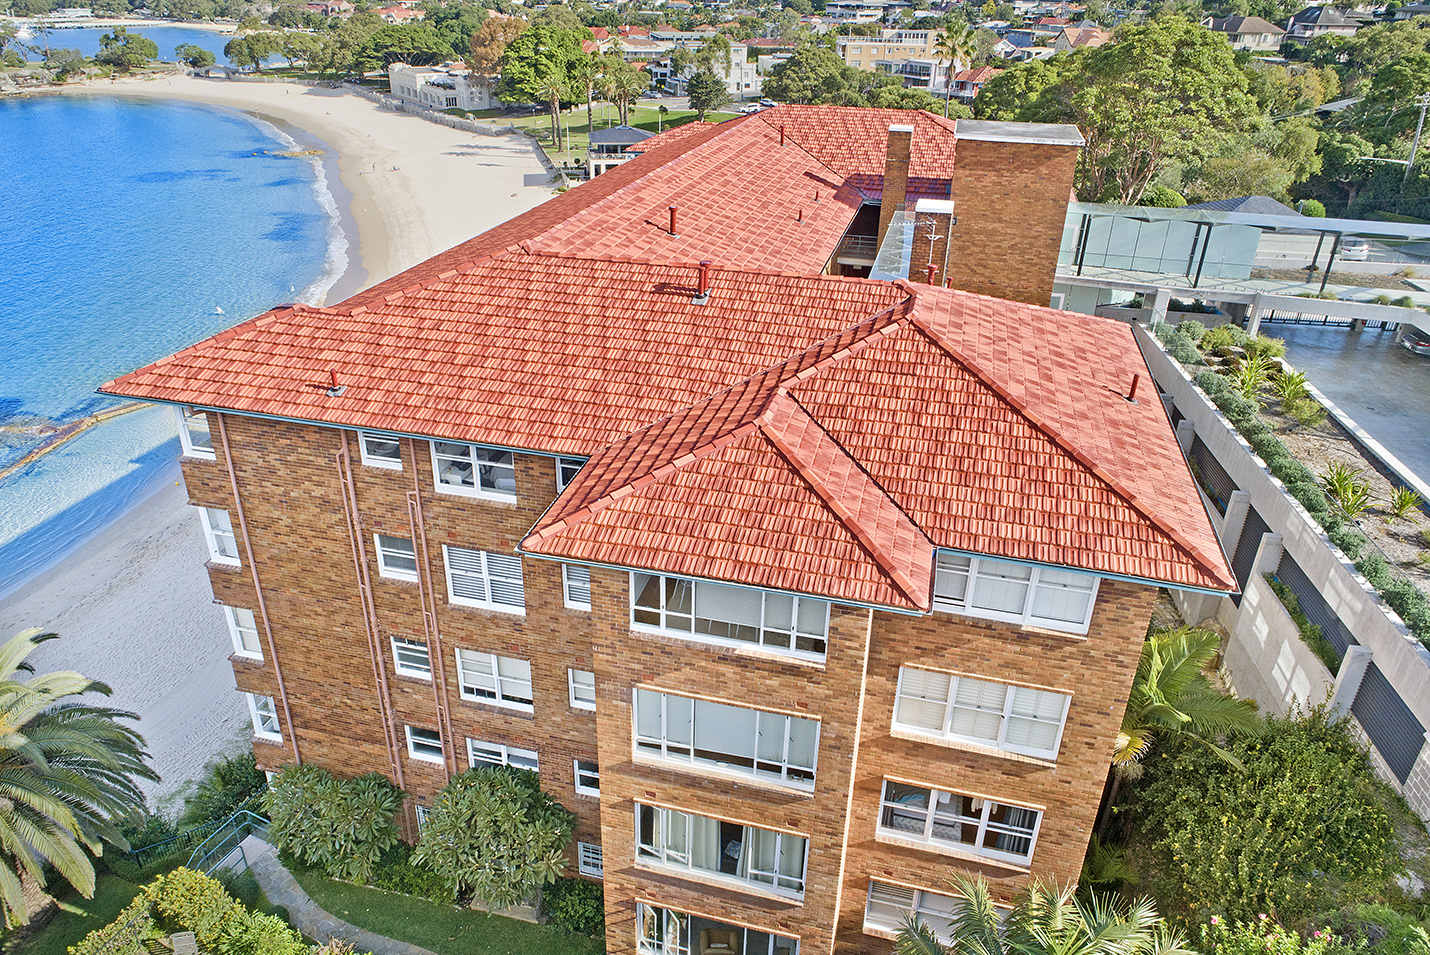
(933, 817)
(906, 692)
(237, 628)
(949, 572)
(374, 460)
(480, 673)
(422, 812)
(485, 575)
(448, 463)
(263, 710)
(589, 860)
(217, 532)
(512, 756)
(683, 753)
(588, 774)
(383, 544)
(672, 827)
(412, 743)
(667, 617)
(668, 926)
(571, 591)
(191, 448)
(920, 903)
(576, 685)
(566, 469)
(399, 644)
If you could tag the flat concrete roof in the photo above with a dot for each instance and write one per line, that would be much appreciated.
(1045, 134)
(1294, 223)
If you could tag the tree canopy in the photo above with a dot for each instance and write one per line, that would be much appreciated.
(126, 51)
(540, 52)
(707, 92)
(816, 74)
(413, 43)
(489, 42)
(194, 56)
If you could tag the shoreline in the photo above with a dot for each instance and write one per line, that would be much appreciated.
(132, 601)
(100, 23)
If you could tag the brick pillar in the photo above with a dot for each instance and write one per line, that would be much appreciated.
(896, 175)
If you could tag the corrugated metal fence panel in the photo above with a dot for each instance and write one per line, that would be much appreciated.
(1394, 730)
(1177, 417)
(1314, 605)
(1246, 547)
(1211, 475)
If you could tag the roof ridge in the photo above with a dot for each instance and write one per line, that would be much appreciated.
(1078, 454)
(777, 434)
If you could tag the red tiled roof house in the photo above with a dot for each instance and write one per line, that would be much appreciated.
(802, 589)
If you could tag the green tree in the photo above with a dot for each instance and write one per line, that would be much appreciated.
(707, 92)
(1044, 921)
(226, 783)
(126, 51)
(586, 75)
(194, 56)
(64, 63)
(251, 49)
(296, 45)
(1298, 828)
(553, 90)
(541, 51)
(347, 41)
(621, 84)
(343, 826)
(487, 45)
(1173, 703)
(809, 75)
(495, 833)
(68, 771)
(413, 43)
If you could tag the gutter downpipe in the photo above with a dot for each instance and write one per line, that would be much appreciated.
(258, 588)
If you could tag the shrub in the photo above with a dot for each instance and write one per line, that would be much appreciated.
(1163, 197)
(1290, 386)
(225, 785)
(396, 873)
(120, 937)
(1217, 339)
(1346, 489)
(1193, 331)
(1300, 827)
(1402, 501)
(188, 901)
(1265, 346)
(254, 933)
(1405, 301)
(1261, 937)
(1313, 208)
(1310, 496)
(1387, 931)
(577, 905)
(495, 833)
(1310, 633)
(1307, 412)
(341, 826)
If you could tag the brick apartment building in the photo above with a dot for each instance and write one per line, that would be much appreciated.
(803, 590)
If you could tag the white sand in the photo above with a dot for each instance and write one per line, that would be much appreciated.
(133, 605)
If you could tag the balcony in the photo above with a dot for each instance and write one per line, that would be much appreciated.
(858, 249)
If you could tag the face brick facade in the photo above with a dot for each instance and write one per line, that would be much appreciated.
(763, 476)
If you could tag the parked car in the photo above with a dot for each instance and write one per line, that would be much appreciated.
(751, 108)
(1354, 249)
(1417, 341)
(767, 102)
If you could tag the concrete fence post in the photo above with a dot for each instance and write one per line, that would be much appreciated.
(1348, 679)
(1268, 554)
(1253, 315)
(1234, 520)
(1160, 301)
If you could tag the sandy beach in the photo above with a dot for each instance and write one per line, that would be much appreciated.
(133, 605)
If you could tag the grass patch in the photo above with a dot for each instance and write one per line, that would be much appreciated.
(444, 929)
(76, 918)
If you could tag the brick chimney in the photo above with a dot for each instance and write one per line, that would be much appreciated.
(896, 175)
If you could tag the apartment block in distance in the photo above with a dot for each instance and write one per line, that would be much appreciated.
(750, 493)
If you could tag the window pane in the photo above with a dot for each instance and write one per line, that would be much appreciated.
(200, 438)
(496, 470)
(1062, 596)
(381, 448)
(813, 616)
(803, 742)
(1001, 587)
(578, 585)
(646, 590)
(648, 722)
(978, 709)
(950, 583)
(923, 698)
(724, 731)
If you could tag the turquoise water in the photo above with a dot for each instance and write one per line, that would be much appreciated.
(86, 39)
(127, 231)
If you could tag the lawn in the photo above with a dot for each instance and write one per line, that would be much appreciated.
(444, 929)
(77, 917)
(648, 118)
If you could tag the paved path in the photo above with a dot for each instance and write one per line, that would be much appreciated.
(282, 889)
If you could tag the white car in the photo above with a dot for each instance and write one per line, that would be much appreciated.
(1354, 249)
(751, 108)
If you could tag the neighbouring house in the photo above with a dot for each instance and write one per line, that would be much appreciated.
(1247, 33)
(609, 148)
(1312, 22)
(890, 46)
(448, 86)
(967, 84)
(803, 590)
(399, 14)
(741, 77)
(1073, 38)
(332, 8)
(1412, 10)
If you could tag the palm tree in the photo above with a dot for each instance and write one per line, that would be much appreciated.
(1044, 922)
(586, 73)
(1173, 701)
(552, 88)
(621, 84)
(955, 46)
(68, 771)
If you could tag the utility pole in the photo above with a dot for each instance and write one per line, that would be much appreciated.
(1422, 102)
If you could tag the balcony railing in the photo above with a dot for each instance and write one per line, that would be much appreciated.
(858, 247)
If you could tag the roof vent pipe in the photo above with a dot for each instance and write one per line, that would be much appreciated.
(672, 221)
(1132, 395)
(932, 271)
(335, 390)
(702, 288)
(782, 134)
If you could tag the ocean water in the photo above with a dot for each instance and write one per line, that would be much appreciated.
(86, 40)
(129, 229)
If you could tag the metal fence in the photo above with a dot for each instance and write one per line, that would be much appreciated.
(1211, 475)
(1394, 730)
(1246, 547)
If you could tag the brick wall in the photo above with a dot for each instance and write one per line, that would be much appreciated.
(1009, 199)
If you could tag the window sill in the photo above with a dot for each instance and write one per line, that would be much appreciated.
(588, 793)
(916, 737)
(525, 712)
(198, 456)
(878, 931)
(433, 760)
(384, 465)
(240, 657)
(397, 579)
(446, 491)
(745, 650)
(490, 608)
(1018, 624)
(582, 708)
(223, 564)
(718, 880)
(704, 769)
(413, 677)
(266, 738)
(950, 851)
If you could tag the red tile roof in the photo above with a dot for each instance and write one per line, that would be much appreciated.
(798, 431)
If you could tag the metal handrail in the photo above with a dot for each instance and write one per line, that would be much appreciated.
(216, 847)
(145, 854)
